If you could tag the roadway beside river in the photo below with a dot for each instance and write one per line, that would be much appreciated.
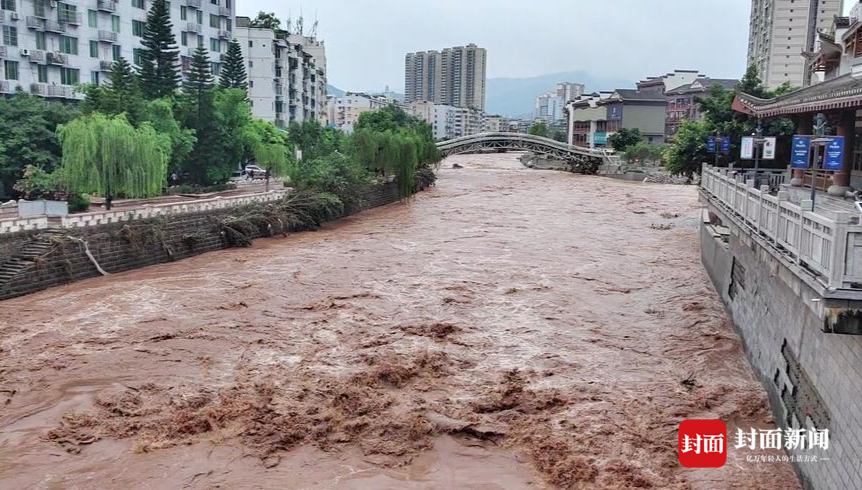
(510, 328)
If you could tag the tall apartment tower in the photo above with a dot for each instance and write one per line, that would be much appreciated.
(49, 46)
(781, 30)
(454, 77)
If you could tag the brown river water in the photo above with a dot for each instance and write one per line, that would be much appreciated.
(510, 328)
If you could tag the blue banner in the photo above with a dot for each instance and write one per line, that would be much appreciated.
(710, 144)
(799, 152)
(834, 157)
(725, 146)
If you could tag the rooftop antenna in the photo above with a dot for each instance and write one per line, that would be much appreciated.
(288, 26)
(299, 22)
(313, 33)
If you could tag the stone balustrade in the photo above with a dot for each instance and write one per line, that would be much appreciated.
(18, 223)
(829, 244)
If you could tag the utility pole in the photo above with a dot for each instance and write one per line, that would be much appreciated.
(758, 152)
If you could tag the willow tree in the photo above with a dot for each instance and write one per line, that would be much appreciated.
(108, 156)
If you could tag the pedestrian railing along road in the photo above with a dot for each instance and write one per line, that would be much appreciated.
(827, 243)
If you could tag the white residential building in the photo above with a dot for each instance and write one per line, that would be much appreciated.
(495, 124)
(454, 122)
(551, 106)
(344, 111)
(286, 74)
(48, 46)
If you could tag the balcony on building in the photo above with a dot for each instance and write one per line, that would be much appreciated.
(55, 58)
(105, 65)
(2, 51)
(196, 4)
(68, 17)
(6, 87)
(107, 36)
(224, 35)
(54, 26)
(224, 11)
(106, 6)
(192, 27)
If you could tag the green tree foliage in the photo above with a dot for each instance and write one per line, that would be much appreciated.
(234, 123)
(233, 68)
(643, 152)
(688, 150)
(159, 113)
(120, 94)
(539, 129)
(207, 163)
(336, 174)
(559, 135)
(159, 56)
(266, 20)
(28, 137)
(625, 138)
(108, 156)
(269, 148)
(314, 140)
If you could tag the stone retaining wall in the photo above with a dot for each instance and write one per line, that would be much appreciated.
(121, 245)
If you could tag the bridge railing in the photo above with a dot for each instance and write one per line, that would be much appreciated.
(829, 244)
(520, 138)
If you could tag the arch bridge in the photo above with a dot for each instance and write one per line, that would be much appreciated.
(584, 160)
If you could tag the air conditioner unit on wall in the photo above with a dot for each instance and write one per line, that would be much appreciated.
(25, 52)
(14, 16)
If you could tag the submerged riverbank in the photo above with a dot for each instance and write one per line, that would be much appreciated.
(509, 328)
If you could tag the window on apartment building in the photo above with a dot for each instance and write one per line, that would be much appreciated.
(138, 4)
(10, 36)
(136, 57)
(8, 5)
(70, 76)
(115, 23)
(94, 49)
(227, 3)
(68, 45)
(250, 44)
(67, 13)
(251, 84)
(215, 68)
(138, 28)
(116, 52)
(94, 77)
(215, 21)
(200, 17)
(184, 38)
(184, 13)
(42, 73)
(228, 24)
(214, 45)
(251, 64)
(40, 40)
(11, 69)
(214, 2)
(200, 41)
(92, 18)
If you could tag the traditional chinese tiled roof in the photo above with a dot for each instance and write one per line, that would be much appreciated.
(702, 85)
(838, 93)
(634, 95)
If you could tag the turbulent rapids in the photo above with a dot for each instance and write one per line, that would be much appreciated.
(510, 328)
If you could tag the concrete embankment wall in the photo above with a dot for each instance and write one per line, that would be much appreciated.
(129, 245)
(813, 378)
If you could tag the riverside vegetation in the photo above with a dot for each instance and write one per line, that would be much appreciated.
(143, 125)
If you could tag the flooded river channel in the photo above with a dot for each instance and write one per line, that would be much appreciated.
(510, 328)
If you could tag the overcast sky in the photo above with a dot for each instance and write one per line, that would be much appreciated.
(366, 39)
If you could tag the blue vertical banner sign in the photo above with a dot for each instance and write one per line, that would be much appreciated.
(725, 145)
(710, 144)
(799, 152)
(834, 157)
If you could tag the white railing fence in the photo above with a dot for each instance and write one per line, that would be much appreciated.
(830, 246)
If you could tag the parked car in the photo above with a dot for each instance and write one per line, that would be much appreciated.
(238, 176)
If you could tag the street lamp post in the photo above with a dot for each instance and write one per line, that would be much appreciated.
(758, 152)
(819, 128)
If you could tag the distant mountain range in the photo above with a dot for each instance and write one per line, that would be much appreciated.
(516, 97)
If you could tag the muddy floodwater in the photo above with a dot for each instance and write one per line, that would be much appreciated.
(510, 328)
